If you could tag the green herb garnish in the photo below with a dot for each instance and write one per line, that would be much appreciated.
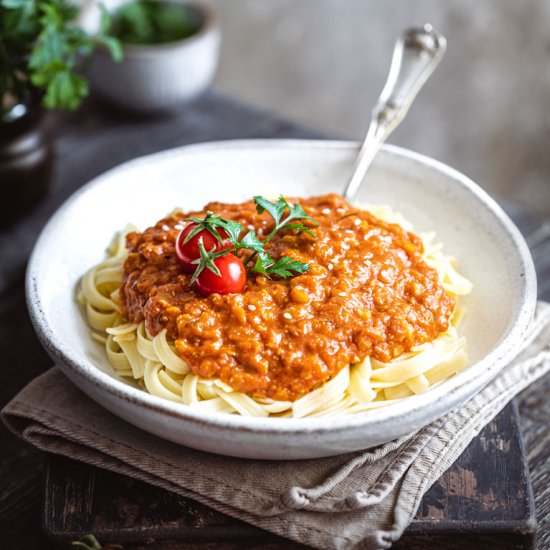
(283, 267)
(259, 261)
(40, 48)
(87, 542)
(153, 22)
(277, 209)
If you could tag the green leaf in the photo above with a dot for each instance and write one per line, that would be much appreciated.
(49, 48)
(300, 227)
(87, 542)
(41, 46)
(19, 29)
(152, 22)
(251, 241)
(285, 266)
(261, 266)
(297, 212)
(13, 4)
(276, 210)
(64, 90)
(113, 45)
(233, 230)
(105, 18)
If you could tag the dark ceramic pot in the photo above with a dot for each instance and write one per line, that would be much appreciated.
(26, 161)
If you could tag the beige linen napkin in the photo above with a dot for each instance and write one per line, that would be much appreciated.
(359, 500)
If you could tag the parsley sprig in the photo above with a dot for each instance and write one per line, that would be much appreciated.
(259, 260)
(276, 211)
(283, 267)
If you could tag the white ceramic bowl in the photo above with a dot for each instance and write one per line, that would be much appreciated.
(489, 248)
(158, 77)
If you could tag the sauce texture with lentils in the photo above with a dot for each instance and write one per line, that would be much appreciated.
(368, 292)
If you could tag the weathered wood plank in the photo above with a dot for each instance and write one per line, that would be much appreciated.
(485, 496)
(487, 485)
(125, 511)
(534, 402)
(21, 466)
(21, 494)
(534, 406)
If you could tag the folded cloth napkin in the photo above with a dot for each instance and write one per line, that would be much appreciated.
(359, 500)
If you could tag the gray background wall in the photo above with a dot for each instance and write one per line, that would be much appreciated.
(486, 110)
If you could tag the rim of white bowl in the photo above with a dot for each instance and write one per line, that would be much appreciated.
(411, 408)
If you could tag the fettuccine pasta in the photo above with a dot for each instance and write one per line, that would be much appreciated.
(155, 365)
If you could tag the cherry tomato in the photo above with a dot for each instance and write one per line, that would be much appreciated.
(232, 279)
(189, 251)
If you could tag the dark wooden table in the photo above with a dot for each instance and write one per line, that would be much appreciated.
(95, 140)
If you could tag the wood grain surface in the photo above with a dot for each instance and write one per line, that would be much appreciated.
(94, 140)
(485, 497)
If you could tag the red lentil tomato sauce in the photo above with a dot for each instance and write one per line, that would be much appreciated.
(368, 292)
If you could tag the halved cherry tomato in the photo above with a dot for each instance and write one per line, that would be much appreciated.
(232, 277)
(189, 251)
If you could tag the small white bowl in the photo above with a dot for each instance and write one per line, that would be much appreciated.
(489, 249)
(157, 77)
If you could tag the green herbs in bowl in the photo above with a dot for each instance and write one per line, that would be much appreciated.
(170, 55)
(154, 22)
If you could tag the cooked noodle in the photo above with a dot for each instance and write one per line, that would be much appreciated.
(155, 365)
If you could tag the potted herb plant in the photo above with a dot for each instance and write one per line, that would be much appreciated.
(170, 53)
(41, 49)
